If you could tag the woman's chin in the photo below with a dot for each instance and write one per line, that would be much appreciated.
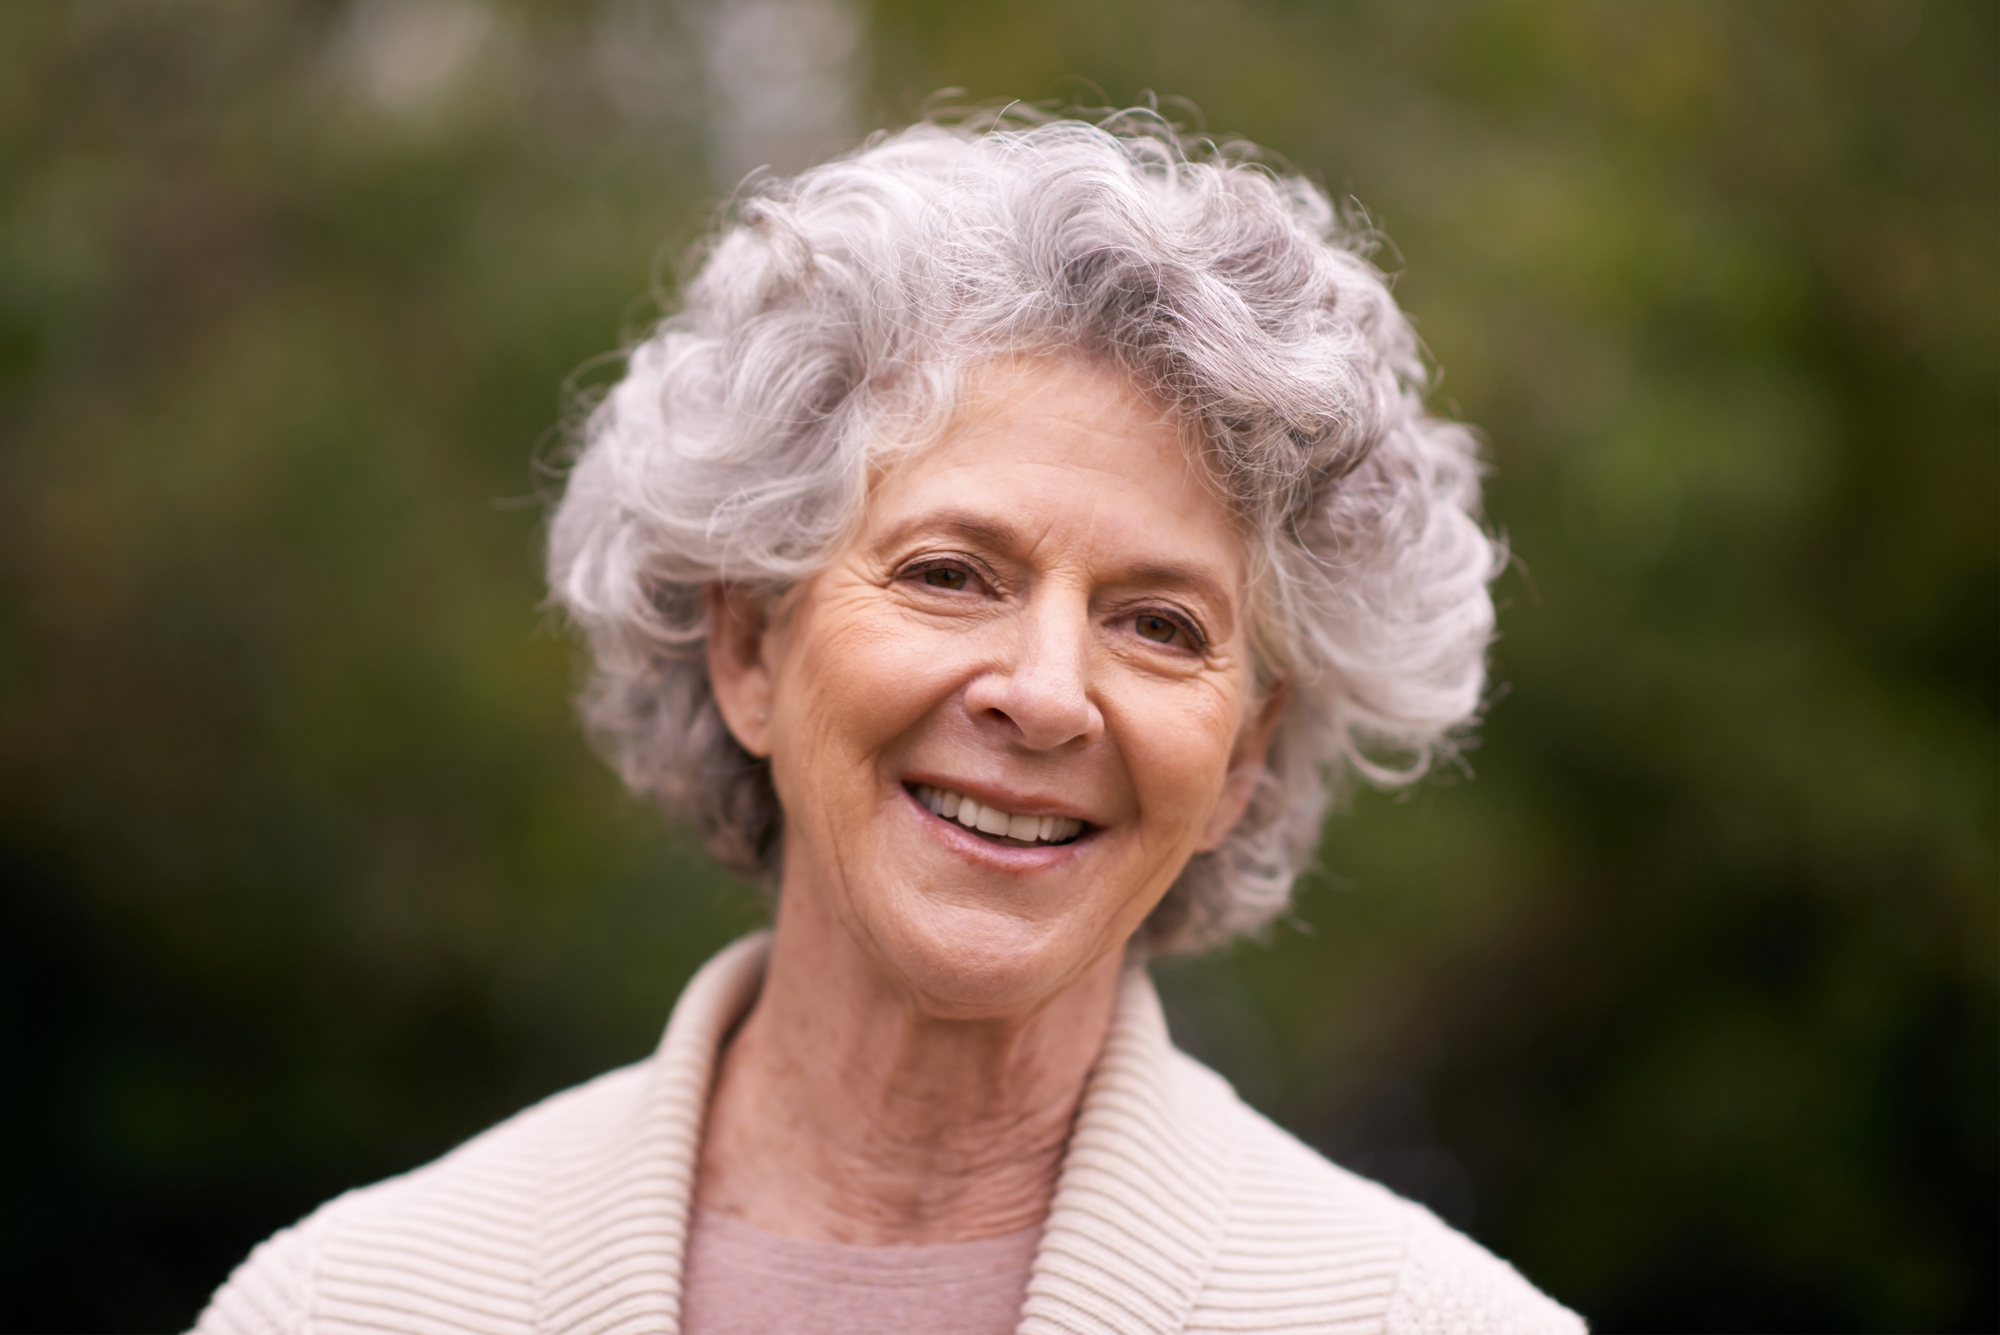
(975, 962)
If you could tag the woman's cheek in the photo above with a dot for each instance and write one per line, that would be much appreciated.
(868, 671)
(900, 672)
(1181, 758)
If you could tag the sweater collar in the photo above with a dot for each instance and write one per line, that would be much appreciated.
(1132, 1233)
(1143, 1195)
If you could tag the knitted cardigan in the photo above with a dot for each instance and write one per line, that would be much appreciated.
(1178, 1209)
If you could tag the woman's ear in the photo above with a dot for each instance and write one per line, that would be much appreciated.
(1246, 768)
(737, 670)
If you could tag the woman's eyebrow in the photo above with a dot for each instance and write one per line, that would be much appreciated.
(981, 530)
(1176, 575)
(977, 529)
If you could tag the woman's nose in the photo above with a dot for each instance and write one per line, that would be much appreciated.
(1040, 691)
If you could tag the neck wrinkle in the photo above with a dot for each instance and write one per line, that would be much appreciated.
(842, 1113)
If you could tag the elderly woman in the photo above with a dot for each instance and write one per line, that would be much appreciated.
(1001, 554)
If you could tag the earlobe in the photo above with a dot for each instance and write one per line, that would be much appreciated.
(737, 672)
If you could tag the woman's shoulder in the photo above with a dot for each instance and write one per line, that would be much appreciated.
(460, 1228)
(1337, 1238)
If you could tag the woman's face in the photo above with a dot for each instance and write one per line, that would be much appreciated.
(1042, 615)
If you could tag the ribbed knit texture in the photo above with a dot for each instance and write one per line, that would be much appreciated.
(1179, 1209)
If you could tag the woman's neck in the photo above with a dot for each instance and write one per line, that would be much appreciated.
(843, 1112)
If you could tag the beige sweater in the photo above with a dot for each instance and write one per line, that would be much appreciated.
(1178, 1209)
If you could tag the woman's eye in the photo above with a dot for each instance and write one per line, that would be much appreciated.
(1157, 628)
(944, 577)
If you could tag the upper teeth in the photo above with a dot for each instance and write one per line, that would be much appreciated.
(973, 815)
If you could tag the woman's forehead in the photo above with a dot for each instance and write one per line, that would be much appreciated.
(1060, 449)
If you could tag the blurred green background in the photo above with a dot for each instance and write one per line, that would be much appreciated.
(1687, 1004)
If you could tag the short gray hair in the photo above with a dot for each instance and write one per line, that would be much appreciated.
(833, 316)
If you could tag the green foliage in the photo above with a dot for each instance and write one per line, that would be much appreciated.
(1687, 1003)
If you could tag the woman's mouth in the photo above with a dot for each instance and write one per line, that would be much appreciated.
(1001, 827)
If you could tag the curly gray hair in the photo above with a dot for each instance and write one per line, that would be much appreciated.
(833, 318)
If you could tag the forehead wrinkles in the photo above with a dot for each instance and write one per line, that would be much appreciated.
(972, 388)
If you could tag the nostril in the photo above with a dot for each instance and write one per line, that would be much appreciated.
(1043, 700)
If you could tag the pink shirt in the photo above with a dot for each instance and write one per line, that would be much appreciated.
(743, 1281)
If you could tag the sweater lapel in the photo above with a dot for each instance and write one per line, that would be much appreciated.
(615, 1220)
(1142, 1202)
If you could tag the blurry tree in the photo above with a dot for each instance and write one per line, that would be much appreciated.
(1687, 1004)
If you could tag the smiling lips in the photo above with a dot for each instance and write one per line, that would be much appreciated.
(995, 823)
